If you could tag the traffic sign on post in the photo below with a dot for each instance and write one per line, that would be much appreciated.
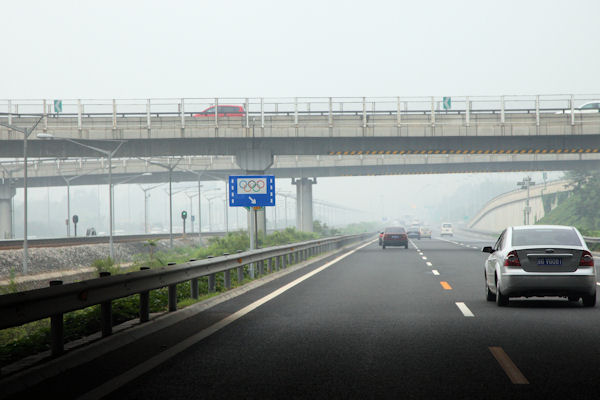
(447, 101)
(251, 191)
(57, 106)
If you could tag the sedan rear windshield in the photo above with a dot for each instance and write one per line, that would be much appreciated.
(394, 230)
(545, 237)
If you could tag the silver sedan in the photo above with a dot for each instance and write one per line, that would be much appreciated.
(540, 260)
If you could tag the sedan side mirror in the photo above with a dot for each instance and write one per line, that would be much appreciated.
(487, 249)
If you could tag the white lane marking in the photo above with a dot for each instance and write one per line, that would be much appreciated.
(509, 367)
(429, 264)
(137, 371)
(464, 309)
(424, 258)
(435, 271)
(598, 283)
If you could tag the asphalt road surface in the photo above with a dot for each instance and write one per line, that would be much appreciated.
(394, 323)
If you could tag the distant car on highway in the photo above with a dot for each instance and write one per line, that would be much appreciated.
(394, 236)
(425, 232)
(586, 108)
(540, 260)
(447, 229)
(222, 111)
(414, 231)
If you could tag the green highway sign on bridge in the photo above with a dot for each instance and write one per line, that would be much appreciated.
(447, 101)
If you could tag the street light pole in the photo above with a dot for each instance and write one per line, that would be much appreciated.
(109, 154)
(26, 132)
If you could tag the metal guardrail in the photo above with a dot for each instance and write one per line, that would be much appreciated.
(20, 308)
(589, 239)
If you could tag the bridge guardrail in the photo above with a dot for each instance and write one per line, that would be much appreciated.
(20, 308)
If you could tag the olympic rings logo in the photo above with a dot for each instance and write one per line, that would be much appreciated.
(251, 186)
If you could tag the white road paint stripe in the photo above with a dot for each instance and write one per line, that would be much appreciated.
(509, 367)
(464, 309)
(137, 371)
(424, 258)
(598, 283)
(435, 271)
(429, 264)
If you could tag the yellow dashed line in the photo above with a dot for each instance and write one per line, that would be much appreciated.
(446, 285)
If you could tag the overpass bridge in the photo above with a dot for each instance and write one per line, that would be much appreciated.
(311, 137)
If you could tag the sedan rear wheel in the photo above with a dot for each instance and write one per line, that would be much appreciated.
(589, 301)
(501, 300)
(489, 296)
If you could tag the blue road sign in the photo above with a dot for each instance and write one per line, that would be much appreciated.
(251, 191)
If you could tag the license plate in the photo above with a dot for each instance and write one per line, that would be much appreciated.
(549, 261)
(395, 237)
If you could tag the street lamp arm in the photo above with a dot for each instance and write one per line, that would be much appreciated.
(107, 153)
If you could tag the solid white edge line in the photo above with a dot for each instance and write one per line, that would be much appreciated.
(137, 371)
(435, 271)
(464, 309)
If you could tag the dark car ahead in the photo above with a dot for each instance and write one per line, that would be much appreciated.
(394, 236)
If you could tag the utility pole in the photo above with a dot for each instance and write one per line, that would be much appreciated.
(526, 183)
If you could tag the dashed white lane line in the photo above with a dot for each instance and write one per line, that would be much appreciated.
(464, 309)
(435, 271)
(424, 258)
(429, 264)
(117, 382)
(509, 367)
(598, 283)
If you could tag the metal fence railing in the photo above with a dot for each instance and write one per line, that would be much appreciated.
(52, 302)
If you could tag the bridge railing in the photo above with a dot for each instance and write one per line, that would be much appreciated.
(23, 307)
(298, 106)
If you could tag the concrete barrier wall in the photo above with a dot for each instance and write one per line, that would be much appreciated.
(507, 209)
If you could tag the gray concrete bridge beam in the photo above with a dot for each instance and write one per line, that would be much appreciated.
(304, 203)
(7, 192)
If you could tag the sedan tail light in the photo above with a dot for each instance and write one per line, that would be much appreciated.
(512, 260)
(586, 260)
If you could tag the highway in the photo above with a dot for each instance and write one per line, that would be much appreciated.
(372, 323)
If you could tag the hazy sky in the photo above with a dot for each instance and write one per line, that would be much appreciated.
(139, 49)
(152, 49)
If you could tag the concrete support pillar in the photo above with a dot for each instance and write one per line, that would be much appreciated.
(6, 194)
(304, 205)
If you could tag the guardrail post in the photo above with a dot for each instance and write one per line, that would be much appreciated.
(227, 279)
(432, 111)
(270, 265)
(364, 118)
(216, 113)
(247, 114)
(182, 113)
(79, 126)
(172, 293)
(398, 114)
(330, 116)
(261, 267)
(537, 110)
(467, 112)
(211, 282)
(144, 302)
(262, 113)
(194, 284)
(277, 263)
(296, 112)
(502, 116)
(283, 261)
(240, 274)
(57, 341)
(572, 111)
(45, 114)
(148, 119)
(114, 114)
(106, 312)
